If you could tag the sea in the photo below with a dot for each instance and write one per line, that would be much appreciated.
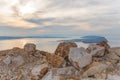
(49, 44)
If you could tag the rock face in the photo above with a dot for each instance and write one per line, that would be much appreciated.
(17, 60)
(93, 69)
(57, 61)
(96, 50)
(115, 50)
(99, 49)
(68, 73)
(7, 60)
(30, 48)
(39, 71)
(79, 57)
(54, 60)
(105, 45)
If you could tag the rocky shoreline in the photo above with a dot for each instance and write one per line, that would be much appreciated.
(68, 62)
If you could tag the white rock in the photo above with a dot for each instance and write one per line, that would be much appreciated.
(37, 70)
(79, 57)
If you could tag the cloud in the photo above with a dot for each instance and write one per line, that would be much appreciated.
(16, 22)
(71, 15)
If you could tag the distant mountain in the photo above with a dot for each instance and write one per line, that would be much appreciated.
(8, 37)
(14, 37)
(87, 39)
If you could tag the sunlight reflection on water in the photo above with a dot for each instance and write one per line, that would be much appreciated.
(46, 44)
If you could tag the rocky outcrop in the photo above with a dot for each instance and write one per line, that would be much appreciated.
(67, 63)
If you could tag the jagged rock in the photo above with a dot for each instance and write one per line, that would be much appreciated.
(93, 69)
(62, 74)
(115, 50)
(39, 71)
(64, 48)
(8, 60)
(30, 48)
(96, 50)
(112, 57)
(79, 57)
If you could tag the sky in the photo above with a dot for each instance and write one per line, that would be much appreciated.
(59, 17)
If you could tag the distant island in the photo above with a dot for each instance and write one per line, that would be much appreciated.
(87, 39)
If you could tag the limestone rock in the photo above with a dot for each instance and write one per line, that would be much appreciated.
(30, 48)
(79, 57)
(112, 57)
(101, 48)
(105, 45)
(96, 50)
(54, 60)
(94, 68)
(15, 51)
(62, 74)
(7, 60)
(18, 60)
(57, 61)
(117, 51)
(64, 48)
(39, 71)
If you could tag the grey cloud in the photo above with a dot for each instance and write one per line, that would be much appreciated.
(40, 21)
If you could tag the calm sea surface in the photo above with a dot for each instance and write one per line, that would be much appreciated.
(47, 44)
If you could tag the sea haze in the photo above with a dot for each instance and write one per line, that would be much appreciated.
(48, 44)
(21, 37)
